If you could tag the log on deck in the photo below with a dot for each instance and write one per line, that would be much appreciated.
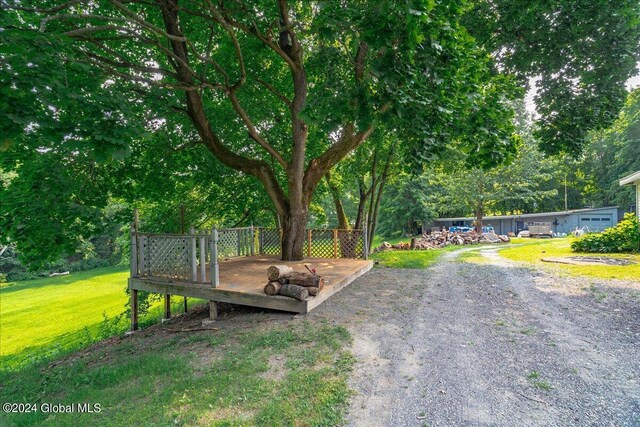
(242, 281)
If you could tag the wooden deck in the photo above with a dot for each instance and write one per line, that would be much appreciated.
(242, 281)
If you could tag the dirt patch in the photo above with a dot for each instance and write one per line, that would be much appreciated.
(277, 369)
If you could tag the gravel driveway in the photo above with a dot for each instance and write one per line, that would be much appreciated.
(494, 344)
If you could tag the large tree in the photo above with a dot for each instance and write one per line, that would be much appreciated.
(283, 91)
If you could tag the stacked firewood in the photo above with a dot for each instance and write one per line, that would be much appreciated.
(437, 240)
(286, 282)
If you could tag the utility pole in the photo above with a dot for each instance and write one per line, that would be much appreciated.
(566, 205)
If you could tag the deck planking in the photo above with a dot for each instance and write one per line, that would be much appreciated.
(242, 281)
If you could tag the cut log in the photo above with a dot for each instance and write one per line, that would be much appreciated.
(305, 279)
(313, 291)
(294, 291)
(272, 288)
(276, 272)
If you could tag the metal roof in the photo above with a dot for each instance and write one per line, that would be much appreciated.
(531, 215)
(634, 178)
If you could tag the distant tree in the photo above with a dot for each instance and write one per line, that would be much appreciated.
(612, 154)
(580, 53)
(408, 203)
(508, 188)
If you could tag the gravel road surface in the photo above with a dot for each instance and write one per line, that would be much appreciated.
(490, 344)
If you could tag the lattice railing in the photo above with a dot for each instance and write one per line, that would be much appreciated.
(194, 257)
(319, 243)
(165, 256)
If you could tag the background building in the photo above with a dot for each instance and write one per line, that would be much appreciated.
(596, 219)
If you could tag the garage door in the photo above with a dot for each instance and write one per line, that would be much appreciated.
(596, 222)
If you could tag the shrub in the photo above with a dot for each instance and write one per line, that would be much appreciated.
(624, 237)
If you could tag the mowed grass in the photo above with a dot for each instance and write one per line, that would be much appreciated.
(411, 259)
(46, 317)
(531, 251)
(267, 375)
(36, 313)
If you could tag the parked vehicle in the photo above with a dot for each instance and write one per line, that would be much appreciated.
(540, 229)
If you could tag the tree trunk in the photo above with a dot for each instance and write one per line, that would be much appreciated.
(362, 203)
(343, 222)
(294, 234)
(479, 218)
(373, 220)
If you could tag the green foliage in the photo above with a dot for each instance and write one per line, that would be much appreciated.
(579, 53)
(408, 203)
(611, 154)
(624, 237)
(95, 106)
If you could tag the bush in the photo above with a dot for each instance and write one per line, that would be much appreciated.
(624, 237)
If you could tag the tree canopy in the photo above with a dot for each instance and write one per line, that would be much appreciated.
(281, 92)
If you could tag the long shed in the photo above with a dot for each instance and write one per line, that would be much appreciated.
(596, 219)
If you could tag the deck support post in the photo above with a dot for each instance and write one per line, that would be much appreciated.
(134, 310)
(365, 243)
(167, 306)
(309, 251)
(213, 310)
(335, 243)
(213, 263)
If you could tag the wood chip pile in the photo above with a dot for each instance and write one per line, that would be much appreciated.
(440, 239)
(286, 282)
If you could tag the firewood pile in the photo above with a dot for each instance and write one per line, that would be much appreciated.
(286, 282)
(440, 239)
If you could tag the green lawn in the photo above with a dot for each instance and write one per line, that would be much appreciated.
(531, 251)
(46, 317)
(411, 259)
(268, 374)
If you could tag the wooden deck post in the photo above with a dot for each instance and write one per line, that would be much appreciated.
(134, 310)
(365, 243)
(213, 263)
(309, 252)
(238, 237)
(335, 243)
(142, 240)
(252, 241)
(194, 259)
(203, 260)
(134, 251)
(213, 310)
(260, 240)
(167, 306)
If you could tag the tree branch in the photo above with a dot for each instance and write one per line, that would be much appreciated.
(195, 107)
(253, 133)
(275, 91)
